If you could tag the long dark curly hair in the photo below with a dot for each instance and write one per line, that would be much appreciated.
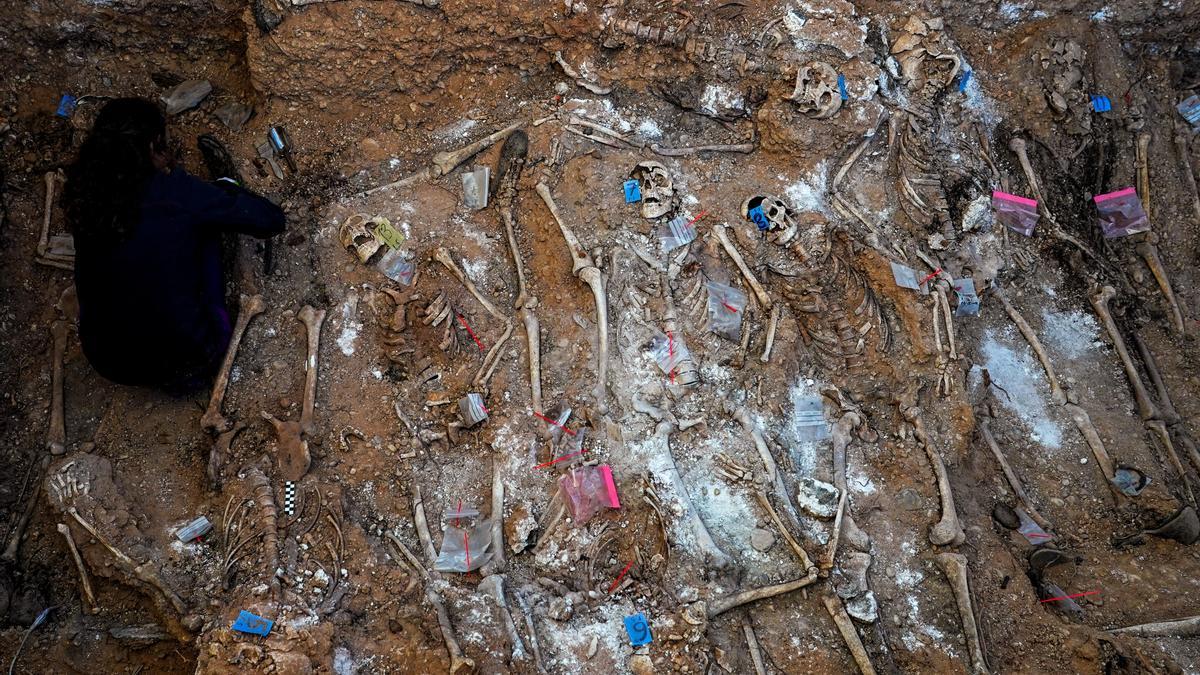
(106, 183)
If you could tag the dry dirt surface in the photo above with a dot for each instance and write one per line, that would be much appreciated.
(807, 455)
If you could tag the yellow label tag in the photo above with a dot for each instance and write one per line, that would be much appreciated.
(388, 234)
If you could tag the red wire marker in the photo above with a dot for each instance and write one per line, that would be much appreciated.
(698, 217)
(920, 283)
(1077, 595)
(470, 332)
(733, 309)
(560, 459)
(547, 419)
(467, 548)
(618, 579)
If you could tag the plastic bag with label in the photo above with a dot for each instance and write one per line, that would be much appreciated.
(1121, 213)
(466, 543)
(668, 351)
(1016, 213)
(588, 489)
(726, 306)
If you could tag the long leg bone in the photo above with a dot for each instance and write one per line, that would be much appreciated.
(443, 256)
(1185, 156)
(1170, 415)
(1148, 249)
(774, 323)
(666, 423)
(954, 566)
(1146, 408)
(837, 612)
(89, 597)
(787, 536)
(497, 515)
(727, 244)
(1142, 161)
(722, 605)
(1083, 422)
(533, 339)
(948, 531)
(585, 269)
(494, 586)
(17, 532)
(1160, 428)
(56, 437)
(1019, 146)
(457, 660)
(445, 162)
(846, 424)
(1187, 627)
(492, 358)
(249, 306)
(312, 320)
(773, 477)
(423, 526)
(1056, 390)
(983, 419)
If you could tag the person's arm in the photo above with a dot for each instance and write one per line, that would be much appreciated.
(228, 206)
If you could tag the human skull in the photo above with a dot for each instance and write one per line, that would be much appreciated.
(658, 191)
(924, 53)
(816, 93)
(778, 219)
(357, 238)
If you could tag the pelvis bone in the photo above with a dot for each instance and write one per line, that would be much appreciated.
(816, 93)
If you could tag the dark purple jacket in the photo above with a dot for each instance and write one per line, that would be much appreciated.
(152, 307)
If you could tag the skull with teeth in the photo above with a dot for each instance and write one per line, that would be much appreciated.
(778, 219)
(816, 93)
(357, 238)
(658, 191)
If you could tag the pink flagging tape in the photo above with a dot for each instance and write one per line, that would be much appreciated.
(610, 487)
(1111, 195)
(996, 194)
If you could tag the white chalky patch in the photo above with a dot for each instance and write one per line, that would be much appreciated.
(350, 326)
(1014, 368)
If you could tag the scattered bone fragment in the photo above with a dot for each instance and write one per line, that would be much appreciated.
(497, 516)
(752, 643)
(954, 566)
(56, 436)
(458, 660)
(774, 323)
(220, 450)
(845, 626)
(445, 162)
(983, 419)
(249, 306)
(805, 561)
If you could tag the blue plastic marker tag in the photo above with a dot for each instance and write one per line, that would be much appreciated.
(842, 87)
(759, 218)
(633, 192)
(638, 629)
(253, 624)
(1101, 103)
(964, 80)
(66, 105)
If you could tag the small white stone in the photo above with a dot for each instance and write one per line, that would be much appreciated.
(1083, 460)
